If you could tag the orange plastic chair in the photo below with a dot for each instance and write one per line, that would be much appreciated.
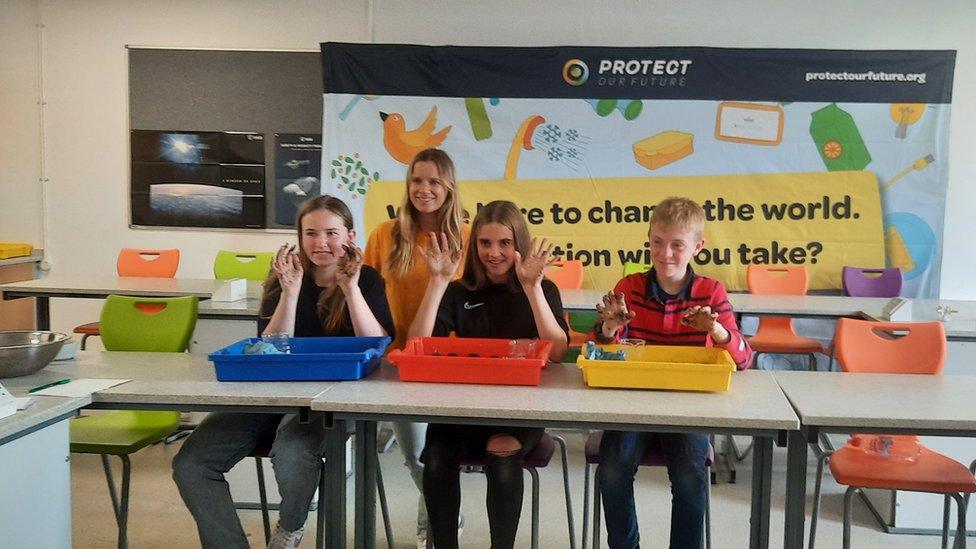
(136, 262)
(568, 275)
(775, 333)
(148, 263)
(904, 348)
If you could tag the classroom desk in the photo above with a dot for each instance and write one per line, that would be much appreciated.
(754, 406)
(581, 300)
(45, 411)
(808, 306)
(98, 287)
(173, 381)
(830, 306)
(867, 403)
(186, 382)
(35, 479)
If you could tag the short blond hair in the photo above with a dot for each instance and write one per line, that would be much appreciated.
(676, 211)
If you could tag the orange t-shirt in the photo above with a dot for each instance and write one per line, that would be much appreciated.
(403, 292)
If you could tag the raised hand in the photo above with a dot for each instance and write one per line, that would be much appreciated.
(613, 312)
(349, 267)
(288, 269)
(702, 318)
(442, 259)
(530, 269)
(699, 317)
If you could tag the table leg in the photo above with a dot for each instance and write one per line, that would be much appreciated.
(334, 488)
(366, 462)
(762, 479)
(796, 488)
(42, 312)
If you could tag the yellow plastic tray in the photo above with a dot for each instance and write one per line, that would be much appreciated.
(11, 249)
(661, 367)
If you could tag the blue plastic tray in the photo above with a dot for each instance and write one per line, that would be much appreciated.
(311, 359)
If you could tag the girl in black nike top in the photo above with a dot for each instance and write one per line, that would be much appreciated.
(502, 294)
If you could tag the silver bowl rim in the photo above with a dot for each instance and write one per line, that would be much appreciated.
(64, 337)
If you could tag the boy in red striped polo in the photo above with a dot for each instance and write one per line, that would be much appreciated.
(668, 305)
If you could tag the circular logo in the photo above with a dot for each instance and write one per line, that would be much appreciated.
(575, 72)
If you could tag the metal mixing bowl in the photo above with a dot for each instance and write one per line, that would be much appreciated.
(23, 353)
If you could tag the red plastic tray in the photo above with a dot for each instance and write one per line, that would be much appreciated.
(469, 360)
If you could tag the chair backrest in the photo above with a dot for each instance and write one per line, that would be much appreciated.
(149, 263)
(567, 275)
(860, 282)
(890, 347)
(159, 324)
(249, 265)
(777, 280)
(631, 268)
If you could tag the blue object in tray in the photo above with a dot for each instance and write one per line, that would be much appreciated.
(310, 359)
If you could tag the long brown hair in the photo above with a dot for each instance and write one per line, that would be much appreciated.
(331, 306)
(404, 231)
(504, 213)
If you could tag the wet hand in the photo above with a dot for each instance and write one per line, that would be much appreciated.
(530, 269)
(613, 312)
(349, 267)
(288, 269)
(702, 318)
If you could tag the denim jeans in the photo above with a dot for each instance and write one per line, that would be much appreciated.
(620, 455)
(410, 438)
(223, 439)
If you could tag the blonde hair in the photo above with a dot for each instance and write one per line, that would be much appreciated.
(676, 211)
(504, 213)
(404, 230)
(331, 306)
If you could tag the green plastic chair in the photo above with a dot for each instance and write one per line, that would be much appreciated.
(631, 268)
(249, 265)
(134, 324)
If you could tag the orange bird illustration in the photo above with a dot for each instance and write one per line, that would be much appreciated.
(403, 145)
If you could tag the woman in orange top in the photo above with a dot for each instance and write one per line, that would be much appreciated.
(431, 203)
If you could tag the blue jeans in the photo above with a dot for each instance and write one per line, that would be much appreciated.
(223, 439)
(410, 437)
(620, 454)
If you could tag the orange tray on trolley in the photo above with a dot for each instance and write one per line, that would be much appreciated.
(470, 360)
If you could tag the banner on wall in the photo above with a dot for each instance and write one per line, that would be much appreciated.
(821, 158)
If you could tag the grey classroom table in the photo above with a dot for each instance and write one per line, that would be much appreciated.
(187, 382)
(45, 411)
(173, 381)
(829, 402)
(98, 287)
(754, 406)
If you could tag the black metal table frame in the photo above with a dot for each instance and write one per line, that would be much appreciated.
(365, 457)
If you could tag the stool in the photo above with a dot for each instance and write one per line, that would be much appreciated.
(651, 458)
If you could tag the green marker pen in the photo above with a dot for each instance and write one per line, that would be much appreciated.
(49, 385)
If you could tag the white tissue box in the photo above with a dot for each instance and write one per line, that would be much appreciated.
(234, 289)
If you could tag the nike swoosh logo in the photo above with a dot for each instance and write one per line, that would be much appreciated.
(470, 306)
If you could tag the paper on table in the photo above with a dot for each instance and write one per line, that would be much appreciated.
(80, 387)
(23, 402)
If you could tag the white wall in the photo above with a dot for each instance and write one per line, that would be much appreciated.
(20, 124)
(84, 74)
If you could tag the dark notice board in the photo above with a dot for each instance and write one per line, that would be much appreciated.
(195, 92)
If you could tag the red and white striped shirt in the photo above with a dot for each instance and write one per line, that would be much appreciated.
(658, 319)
